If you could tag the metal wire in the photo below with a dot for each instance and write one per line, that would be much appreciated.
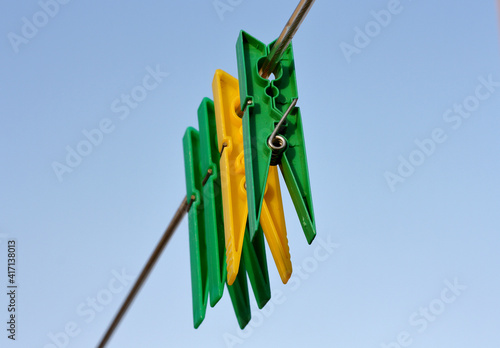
(179, 214)
(270, 141)
(285, 37)
(240, 112)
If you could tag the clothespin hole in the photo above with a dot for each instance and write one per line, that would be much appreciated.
(272, 91)
(272, 75)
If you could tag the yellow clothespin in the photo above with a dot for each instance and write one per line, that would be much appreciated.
(234, 197)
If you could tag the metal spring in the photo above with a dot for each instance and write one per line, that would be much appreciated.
(278, 146)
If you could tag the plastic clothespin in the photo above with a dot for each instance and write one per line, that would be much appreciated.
(212, 200)
(230, 142)
(197, 241)
(252, 251)
(206, 234)
(267, 102)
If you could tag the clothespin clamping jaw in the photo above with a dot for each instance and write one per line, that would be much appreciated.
(264, 103)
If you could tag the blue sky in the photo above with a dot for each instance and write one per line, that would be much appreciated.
(398, 101)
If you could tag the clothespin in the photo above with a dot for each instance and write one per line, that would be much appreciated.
(197, 240)
(237, 237)
(212, 202)
(264, 103)
(206, 230)
(230, 143)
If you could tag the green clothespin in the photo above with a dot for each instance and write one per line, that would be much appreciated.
(197, 240)
(264, 102)
(212, 201)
